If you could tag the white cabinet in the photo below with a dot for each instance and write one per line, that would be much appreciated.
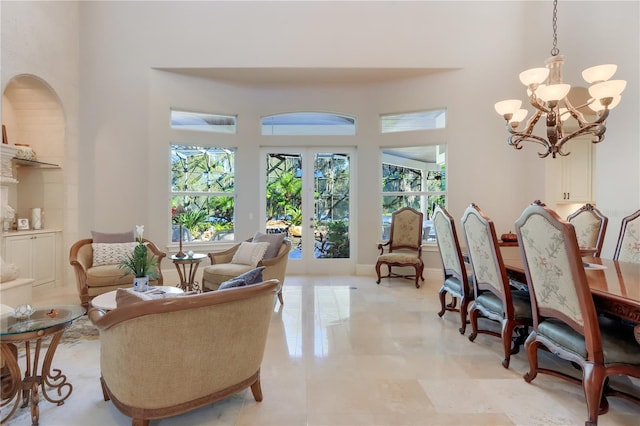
(33, 253)
(575, 172)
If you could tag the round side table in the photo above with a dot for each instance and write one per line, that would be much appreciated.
(187, 267)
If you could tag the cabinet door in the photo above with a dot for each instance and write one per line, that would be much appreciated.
(17, 250)
(43, 268)
(34, 255)
(576, 173)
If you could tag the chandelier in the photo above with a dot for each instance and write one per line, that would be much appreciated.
(548, 95)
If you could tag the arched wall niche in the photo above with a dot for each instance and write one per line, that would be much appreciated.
(33, 115)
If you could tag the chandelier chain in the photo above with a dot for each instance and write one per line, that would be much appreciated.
(555, 51)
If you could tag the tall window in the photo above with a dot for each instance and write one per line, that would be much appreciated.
(413, 177)
(202, 193)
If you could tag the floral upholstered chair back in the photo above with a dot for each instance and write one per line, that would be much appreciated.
(628, 247)
(590, 226)
(447, 242)
(406, 229)
(485, 259)
(548, 248)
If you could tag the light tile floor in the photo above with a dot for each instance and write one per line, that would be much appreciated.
(345, 351)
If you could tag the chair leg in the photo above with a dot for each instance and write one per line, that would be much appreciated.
(507, 335)
(417, 268)
(464, 307)
(593, 377)
(531, 347)
(281, 298)
(378, 272)
(441, 295)
(256, 390)
(473, 317)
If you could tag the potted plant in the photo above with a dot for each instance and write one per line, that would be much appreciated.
(140, 264)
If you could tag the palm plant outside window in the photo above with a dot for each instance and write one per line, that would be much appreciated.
(410, 187)
(202, 192)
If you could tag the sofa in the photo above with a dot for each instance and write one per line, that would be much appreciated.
(93, 280)
(163, 357)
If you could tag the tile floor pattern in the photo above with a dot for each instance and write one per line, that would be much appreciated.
(345, 351)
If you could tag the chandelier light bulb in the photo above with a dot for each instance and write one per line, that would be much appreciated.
(509, 106)
(607, 89)
(599, 73)
(534, 76)
(597, 106)
(518, 117)
(553, 92)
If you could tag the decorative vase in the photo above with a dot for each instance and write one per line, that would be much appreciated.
(141, 283)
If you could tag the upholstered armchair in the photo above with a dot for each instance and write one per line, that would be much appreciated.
(93, 280)
(565, 321)
(493, 297)
(223, 269)
(590, 225)
(163, 357)
(404, 248)
(457, 282)
(628, 246)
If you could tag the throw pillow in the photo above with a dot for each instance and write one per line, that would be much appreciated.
(274, 240)
(253, 276)
(250, 253)
(106, 237)
(111, 254)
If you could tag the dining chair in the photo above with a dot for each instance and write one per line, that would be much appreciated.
(590, 225)
(494, 298)
(456, 280)
(628, 246)
(565, 321)
(404, 247)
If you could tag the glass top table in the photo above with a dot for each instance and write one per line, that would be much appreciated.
(45, 322)
(41, 319)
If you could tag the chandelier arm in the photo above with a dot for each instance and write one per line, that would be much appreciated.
(517, 138)
(528, 130)
(596, 129)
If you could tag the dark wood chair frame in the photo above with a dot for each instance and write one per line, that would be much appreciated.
(465, 296)
(508, 321)
(623, 229)
(417, 247)
(591, 209)
(594, 371)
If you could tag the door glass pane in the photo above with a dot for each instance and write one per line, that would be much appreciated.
(331, 183)
(284, 198)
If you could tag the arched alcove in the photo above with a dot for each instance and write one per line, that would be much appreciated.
(33, 116)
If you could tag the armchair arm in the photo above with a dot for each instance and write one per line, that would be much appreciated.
(158, 254)
(381, 246)
(80, 264)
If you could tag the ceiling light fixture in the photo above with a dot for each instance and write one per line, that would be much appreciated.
(548, 95)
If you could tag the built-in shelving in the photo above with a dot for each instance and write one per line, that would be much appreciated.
(34, 163)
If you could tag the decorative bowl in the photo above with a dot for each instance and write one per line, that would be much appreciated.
(22, 312)
(509, 237)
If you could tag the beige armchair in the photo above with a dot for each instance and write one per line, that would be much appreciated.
(95, 280)
(221, 268)
(160, 358)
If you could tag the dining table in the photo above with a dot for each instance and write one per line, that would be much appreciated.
(615, 285)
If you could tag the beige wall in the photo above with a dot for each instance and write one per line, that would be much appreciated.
(119, 128)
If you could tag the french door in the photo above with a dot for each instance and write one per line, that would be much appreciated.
(307, 193)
